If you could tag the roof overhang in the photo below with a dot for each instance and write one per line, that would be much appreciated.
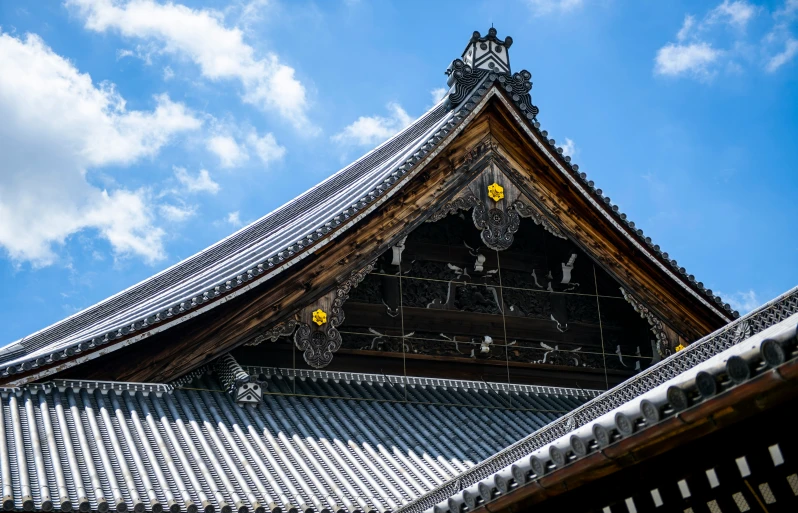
(362, 212)
(739, 371)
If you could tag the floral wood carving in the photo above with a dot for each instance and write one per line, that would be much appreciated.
(498, 225)
(466, 202)
(318, 343)
(281, 329)
(497, 217)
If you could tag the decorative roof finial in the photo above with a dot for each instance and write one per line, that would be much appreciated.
(486, 61)
(489, 52)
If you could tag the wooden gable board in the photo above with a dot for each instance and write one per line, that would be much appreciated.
(530, 165)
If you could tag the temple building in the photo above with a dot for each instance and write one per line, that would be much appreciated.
(458, 321)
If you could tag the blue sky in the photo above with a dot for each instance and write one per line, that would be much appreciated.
(135, 134)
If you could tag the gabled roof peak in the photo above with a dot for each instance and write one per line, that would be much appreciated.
(279, 240)
(488, 52)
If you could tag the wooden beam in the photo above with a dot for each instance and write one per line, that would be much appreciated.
(171, 354)
(380, 362)
(458, 322)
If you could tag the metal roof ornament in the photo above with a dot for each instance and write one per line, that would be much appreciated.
(495, 192)
(319, 317)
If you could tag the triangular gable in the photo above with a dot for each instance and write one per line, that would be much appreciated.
(307, 250)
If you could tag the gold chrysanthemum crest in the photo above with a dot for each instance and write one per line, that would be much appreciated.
(495, 192)
(319, 317)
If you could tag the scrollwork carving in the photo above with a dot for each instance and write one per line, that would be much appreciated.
(519, 85)
(465, 202)
(319, 343)
(497, 225)
(463, 79)
(281, 329)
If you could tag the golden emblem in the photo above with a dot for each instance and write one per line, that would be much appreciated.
(495, 192)
(319, 317)
(679, 347)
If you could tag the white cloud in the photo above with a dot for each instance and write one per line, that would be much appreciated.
(789, 9)
(737, 13)
(569, 148)
(266, 147)
(375, 129)
(543, 7)
(438, 94)
(251, 12)
(201, 36)
(176, 213)
(200, 183)
(168, 73)
(694, 58)
(689, 22)
(234, 218)
(694, 53)
(742, 301)
(57, 125)
(230, 153)
(782, 58)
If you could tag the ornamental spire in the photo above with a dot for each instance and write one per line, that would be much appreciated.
(489, 52)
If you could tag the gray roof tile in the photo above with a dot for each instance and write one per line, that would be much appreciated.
(324, 442)
(622, 406)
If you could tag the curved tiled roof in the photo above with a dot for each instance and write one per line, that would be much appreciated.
(735, 351)
(320, 442)
(256, 251)
(281, 238)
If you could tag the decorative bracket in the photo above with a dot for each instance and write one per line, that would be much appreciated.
(319, 340)
(528, 210)
(315, 327)
(498, 224)
(497, 204)
(397, 250)
(281, 329)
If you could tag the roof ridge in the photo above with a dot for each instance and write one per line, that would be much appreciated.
(417, 381)
(271, 252)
